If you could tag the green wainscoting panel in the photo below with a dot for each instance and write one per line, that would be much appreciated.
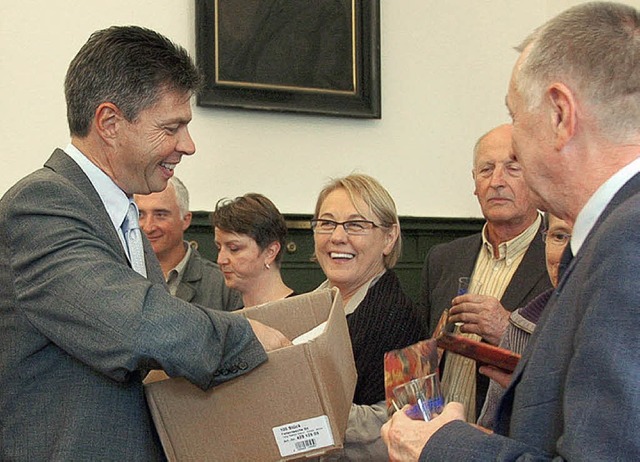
(302, 274)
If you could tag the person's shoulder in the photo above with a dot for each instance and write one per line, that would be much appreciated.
(462, 241)
(206, 265)
(473, 240)
(195, 254)
(628, 206)
(619, 229)
(42, 185)
(390, 283)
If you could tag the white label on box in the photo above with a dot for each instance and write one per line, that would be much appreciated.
(303, 436)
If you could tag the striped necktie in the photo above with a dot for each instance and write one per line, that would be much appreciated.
(133, 238)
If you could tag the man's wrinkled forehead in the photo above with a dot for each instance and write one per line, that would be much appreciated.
(495, 146)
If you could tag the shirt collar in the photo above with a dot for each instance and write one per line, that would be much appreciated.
(510, 249)
(356, 298)
(114, 199)
(598, 202)
(178, 270)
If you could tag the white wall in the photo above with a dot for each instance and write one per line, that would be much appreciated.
(445, 69)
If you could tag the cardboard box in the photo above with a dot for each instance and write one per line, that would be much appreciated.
(295, 405)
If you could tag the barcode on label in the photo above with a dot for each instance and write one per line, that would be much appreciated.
(306, 444)
(304, 435)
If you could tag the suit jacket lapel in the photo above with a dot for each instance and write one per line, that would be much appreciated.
(192, 273)
(527, 276)
(468, 257)
(62, 164)
(154, 270)
(629, 189)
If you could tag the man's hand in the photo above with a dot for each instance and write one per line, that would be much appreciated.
(270, 338)
(502, 377)
(405, 438)
(480, 314)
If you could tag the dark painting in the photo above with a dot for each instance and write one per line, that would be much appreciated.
(308, 44)
(314, 56)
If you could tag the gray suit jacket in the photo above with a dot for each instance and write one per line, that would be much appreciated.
(445, 263)
(576, 392)
(80, 328)
(202, 283)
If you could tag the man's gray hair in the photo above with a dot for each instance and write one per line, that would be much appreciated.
(594, 49)
(182, 195)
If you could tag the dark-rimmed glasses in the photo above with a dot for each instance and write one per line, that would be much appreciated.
(351, 227)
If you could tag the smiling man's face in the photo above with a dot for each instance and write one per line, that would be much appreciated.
(163, 222)
(150, 147)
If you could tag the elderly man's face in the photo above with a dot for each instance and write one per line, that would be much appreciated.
(503, 194)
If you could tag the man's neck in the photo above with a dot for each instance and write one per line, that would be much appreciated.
(170, 260)
(267, 289)
(597, 165)
(498, 233)
(98, 154)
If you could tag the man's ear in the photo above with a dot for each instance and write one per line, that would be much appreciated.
(563, 115)
(475, 187)
(107, 120)
(186, 220)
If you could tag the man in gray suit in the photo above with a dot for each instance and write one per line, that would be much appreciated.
(164, 217)
(506, 263)
(574, 97)
(80, 327)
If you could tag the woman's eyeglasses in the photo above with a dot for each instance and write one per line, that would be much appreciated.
(351, 227)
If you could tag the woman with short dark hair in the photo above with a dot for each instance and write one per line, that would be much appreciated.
(250, 234)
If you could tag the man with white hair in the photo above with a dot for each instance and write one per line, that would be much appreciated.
(574, 98)
(505, 262)
(164, 217)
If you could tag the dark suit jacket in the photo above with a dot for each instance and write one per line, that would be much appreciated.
(80, 328)
(576, 393)
(202, 283)
(445, 263)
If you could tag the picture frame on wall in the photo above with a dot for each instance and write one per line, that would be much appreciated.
(304, 56)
